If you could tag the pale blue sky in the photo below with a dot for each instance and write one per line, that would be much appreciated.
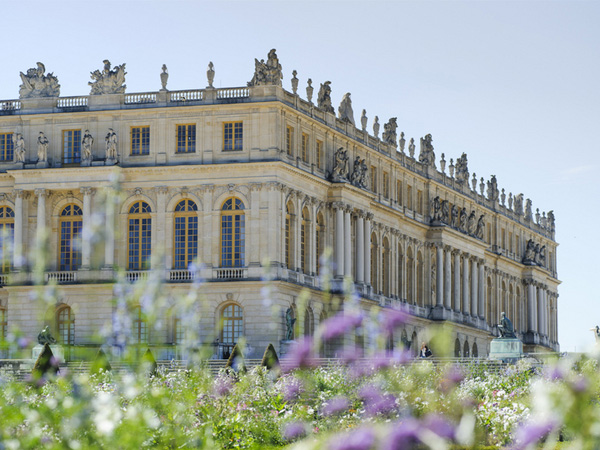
(514, 84)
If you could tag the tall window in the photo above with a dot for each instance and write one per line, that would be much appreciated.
(233, 322)
(186, 234)
(65, 325)
(71, 224)
(309, 322)
(319, 153)
(373, 178)
(304, 147)
(233, 233)
(320, 236)
(7, 229)
(289, 140)
(419, 201)
(399, 192)
(374, 264)
(139, 333)
(140, 235)
(233, 136)
(409, 199)
(6, 147)
(178, 331)
(289, 213)
(186, 138)
(140, 140)
(386, 185)
(304, 244)
(71, 146)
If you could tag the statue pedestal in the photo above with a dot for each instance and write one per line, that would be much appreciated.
(105, 101)
(110, 162)
(57, 351)
(286, 347)
(42, 165)
(506, 349)
(39, 103)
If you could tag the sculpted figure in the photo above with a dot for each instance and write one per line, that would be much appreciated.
(402, 141)
(463, 220)
(529, 257)
(427, 155)
(164, 77)
(324, 97)
(480, 228)
(86, 147)
(290, 320)
(210, 74)
(436, 210)
(109, 81)
(492, 189)
(295, 81)
(471, 224)
(111, 145)
(376, 127)
(363, 120)
(309, 91)
(542, 255)
(42, 147)
(389, 132)
(356, 172)
(45, 337)
(340, 168)
(551, 220)
(364, 175)
(345, 109)
(268, 73)
(454, 219)
(411, 148)
(19, 147)
(36, 84)
(510, 201)
(519, 204)
(462, 169)
(506, 329)
(528, 212)
(445, 211)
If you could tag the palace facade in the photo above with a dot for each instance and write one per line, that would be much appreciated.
(245, 178)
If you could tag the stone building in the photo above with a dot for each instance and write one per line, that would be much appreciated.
(245, 177)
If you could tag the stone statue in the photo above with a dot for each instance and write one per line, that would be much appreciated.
(474, 182)
(454, 218)
(492, 189)
(462, 169)
(86, 148)
(324, 97)
(436, 207)
(364, 175)
(529, 257)
(427, 155)
(389, 135)
(376, 127)
(164, 77)
(309, 91)
(19, 147)
(294, 82)
(42, 147)
(506, 329)
(463, 220)
(340, 168)
(411, 148)
(503, 197)
(445, 211)
(363, 120)
(345, 112)
(551, 220)
(481, 186)
(471, 223)
(402, 141)
(111, 145)
(45, 337)
(443, 164)
(528, 212)
(290, 320)
(268, 73)
(480, 227)
(210, 74)
(542, 255)
(109, 81)
(519, 204)
(510, 200)
(356, 172)
(36, 84)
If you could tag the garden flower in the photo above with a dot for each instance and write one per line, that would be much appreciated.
(376, 402)
(403, 436)
(302, 355)
(361, 439)
(294, 430)
(340, 324)
(292, 389)
(393, 319)
(533, 432)
(335, 405)
(439, 425)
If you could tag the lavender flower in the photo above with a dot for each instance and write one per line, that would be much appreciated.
(439, 426)
(377, 402)
(292, 389)
(393, 319)
(294, 430)
(222, 385)
(361, 439)
(404, 436)
(533, 432)
(335, 405)
(339, 324)
(302, 355)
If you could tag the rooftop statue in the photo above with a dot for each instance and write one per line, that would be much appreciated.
(519, 204)
(363, 120)
(290, 320)
(268, 73)
(45, 337)
(411, 148)
(164, 77)
(36, 84)
(345, 109)
(402, 141)
(111, 145)
(324, 97)
(210, 74)
(389, 132)
(492, 189)
(376, 127)
(480, 227)
(109, 81)
(528, 212)
(506, 328)
(427, 155)
(462, 169)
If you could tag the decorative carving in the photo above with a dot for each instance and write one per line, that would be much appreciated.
(210, 74)
(389, 132)
(43, 143)
(551, 220)
(309, 91)
(19, 147)
(162, 190)
(529, 258)
(376, 127)
(137, 191)
(164, 77)
(443, 164)
(324, 97)
(87, 190)
(86, 148)
(345, 109)
(445, 211)
(363, 120)
(519, 204)
(45, 337)
(454, 218)
(528, 209)
(295, 82)
(340, 168)
(268, 73)
(411, 148)
(356, 172)
(462, 169)
(36, 84)
(505, 327)
(510, 201)
(463, 220)
(427, 155)
(402, 142)
(111, 146)
(503, 197)
(492, 189)
(109, 81)
(480, 227)
(471, 224)
(436, 208)
(474, 182)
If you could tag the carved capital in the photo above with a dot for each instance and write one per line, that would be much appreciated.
(255, 187)
(20, 193)
(87, 191)
(370, 216)
(42, 192)
(337, 205)
(360, 213)
(184, 191)
(162, 190)
(207, 188)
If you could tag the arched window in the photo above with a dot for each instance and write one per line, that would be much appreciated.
(475, 352)
(374, 264)
(140, 327)
(233, 233)
(185, 236)
(414, 345)
(304, 242)
(457, 348)
(232, 320)
(71, 223)
(385, 268)
(466, 350)
(289, 235)
(7, 230)
(420, 289)
(65, 325)
(140, 236)
(320, 236)
(309, 322)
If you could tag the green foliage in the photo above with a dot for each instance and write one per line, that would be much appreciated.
(45, 364)
(270, 359)
(100, 363)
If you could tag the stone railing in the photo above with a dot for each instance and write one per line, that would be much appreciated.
(186, 96)
(3, 279)
(9, 105)
(236, 92)
(136, 275)
(62, 277)
(137, 99)
(230, 273)
(72, 102)
(181, 275)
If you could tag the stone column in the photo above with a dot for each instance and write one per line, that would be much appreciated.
(439, 293)
(109, 241)
(360, 247)
(347, 242)
(531, 325)
(465, 285)
(540, 310)
(339, 239)
(86, 246)
(448, 279)
(159, 233)
(368, 248)
(18, 259)
(273, 193)
(481, 289)
(253, 257)
(474, 289)
(456, 280)
(41, 194)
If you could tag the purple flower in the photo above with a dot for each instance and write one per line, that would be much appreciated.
(223, 385)
(339, 324)
(360, 439)
(554, 373)
(292, 389)
(335, 405)
(453, 375)
(439, 426)
(579, 384)
(377, 402)
(533, 432)
(23, 342)
(294, 430)
(302, 355)
(393, 319)
(403, 436)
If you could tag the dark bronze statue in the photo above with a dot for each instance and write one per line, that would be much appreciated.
(506, 328)
(45, 337)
